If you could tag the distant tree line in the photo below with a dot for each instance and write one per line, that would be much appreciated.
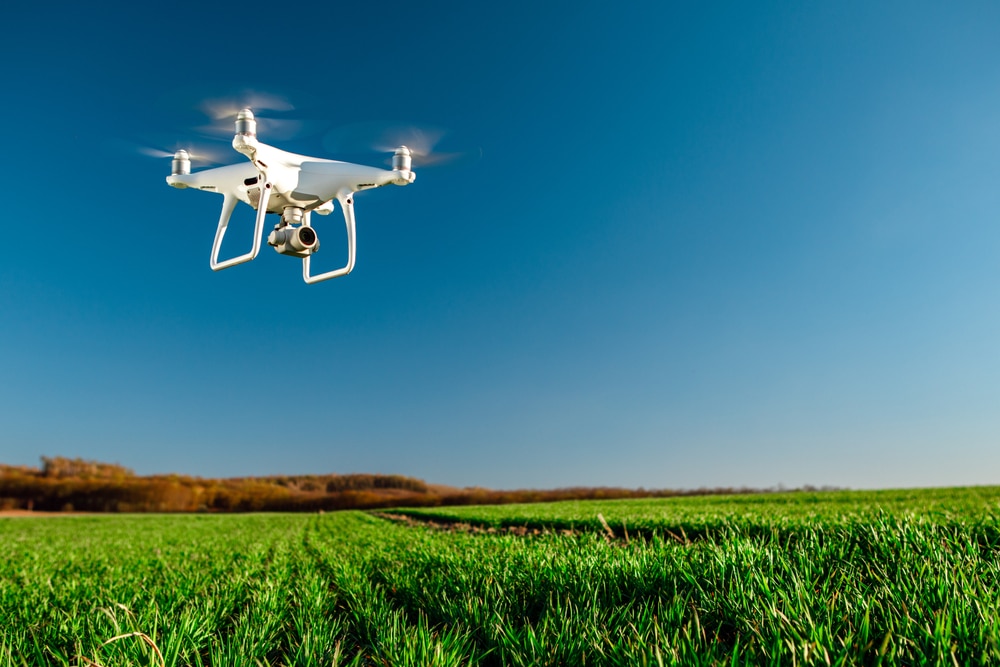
(78, 468)
(63, 484)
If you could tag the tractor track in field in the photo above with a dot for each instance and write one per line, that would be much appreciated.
(615, 532)
(444, 525)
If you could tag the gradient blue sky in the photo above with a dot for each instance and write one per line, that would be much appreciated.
(706, 244)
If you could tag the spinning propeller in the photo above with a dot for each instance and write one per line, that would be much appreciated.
(275, 115)
(422, 142)
(183, 157)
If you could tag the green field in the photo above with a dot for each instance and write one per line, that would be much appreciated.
(838, 578)
(697, 514)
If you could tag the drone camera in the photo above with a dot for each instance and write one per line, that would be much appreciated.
(298, 241)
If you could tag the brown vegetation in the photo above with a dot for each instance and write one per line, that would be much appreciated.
(63, 484)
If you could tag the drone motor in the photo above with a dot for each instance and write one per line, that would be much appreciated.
(246, 124)
(401, 159)
(181, 164)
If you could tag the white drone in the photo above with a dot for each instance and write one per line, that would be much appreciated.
(291, 185)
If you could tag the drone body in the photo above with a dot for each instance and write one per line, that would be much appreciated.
(290, 185)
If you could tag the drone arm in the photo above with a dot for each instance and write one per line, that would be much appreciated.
(228, 204)
(346, 203)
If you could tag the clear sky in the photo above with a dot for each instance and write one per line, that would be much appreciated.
(706, 244)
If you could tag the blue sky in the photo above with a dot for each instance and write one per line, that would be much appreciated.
(704, 246)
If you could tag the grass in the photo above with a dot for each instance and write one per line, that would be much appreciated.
(696, 514)
(905, 577)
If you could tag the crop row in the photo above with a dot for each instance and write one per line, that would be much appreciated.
(763, 512)
(354, 589)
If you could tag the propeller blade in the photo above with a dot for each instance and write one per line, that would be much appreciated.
(153, 152)
(420, 141)
(201, 154)
(274, 114)
(224, 108)
(385, 137)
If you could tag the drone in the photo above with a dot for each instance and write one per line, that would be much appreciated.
(290, 185)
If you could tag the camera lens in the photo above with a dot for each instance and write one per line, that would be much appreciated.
(307, 236)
